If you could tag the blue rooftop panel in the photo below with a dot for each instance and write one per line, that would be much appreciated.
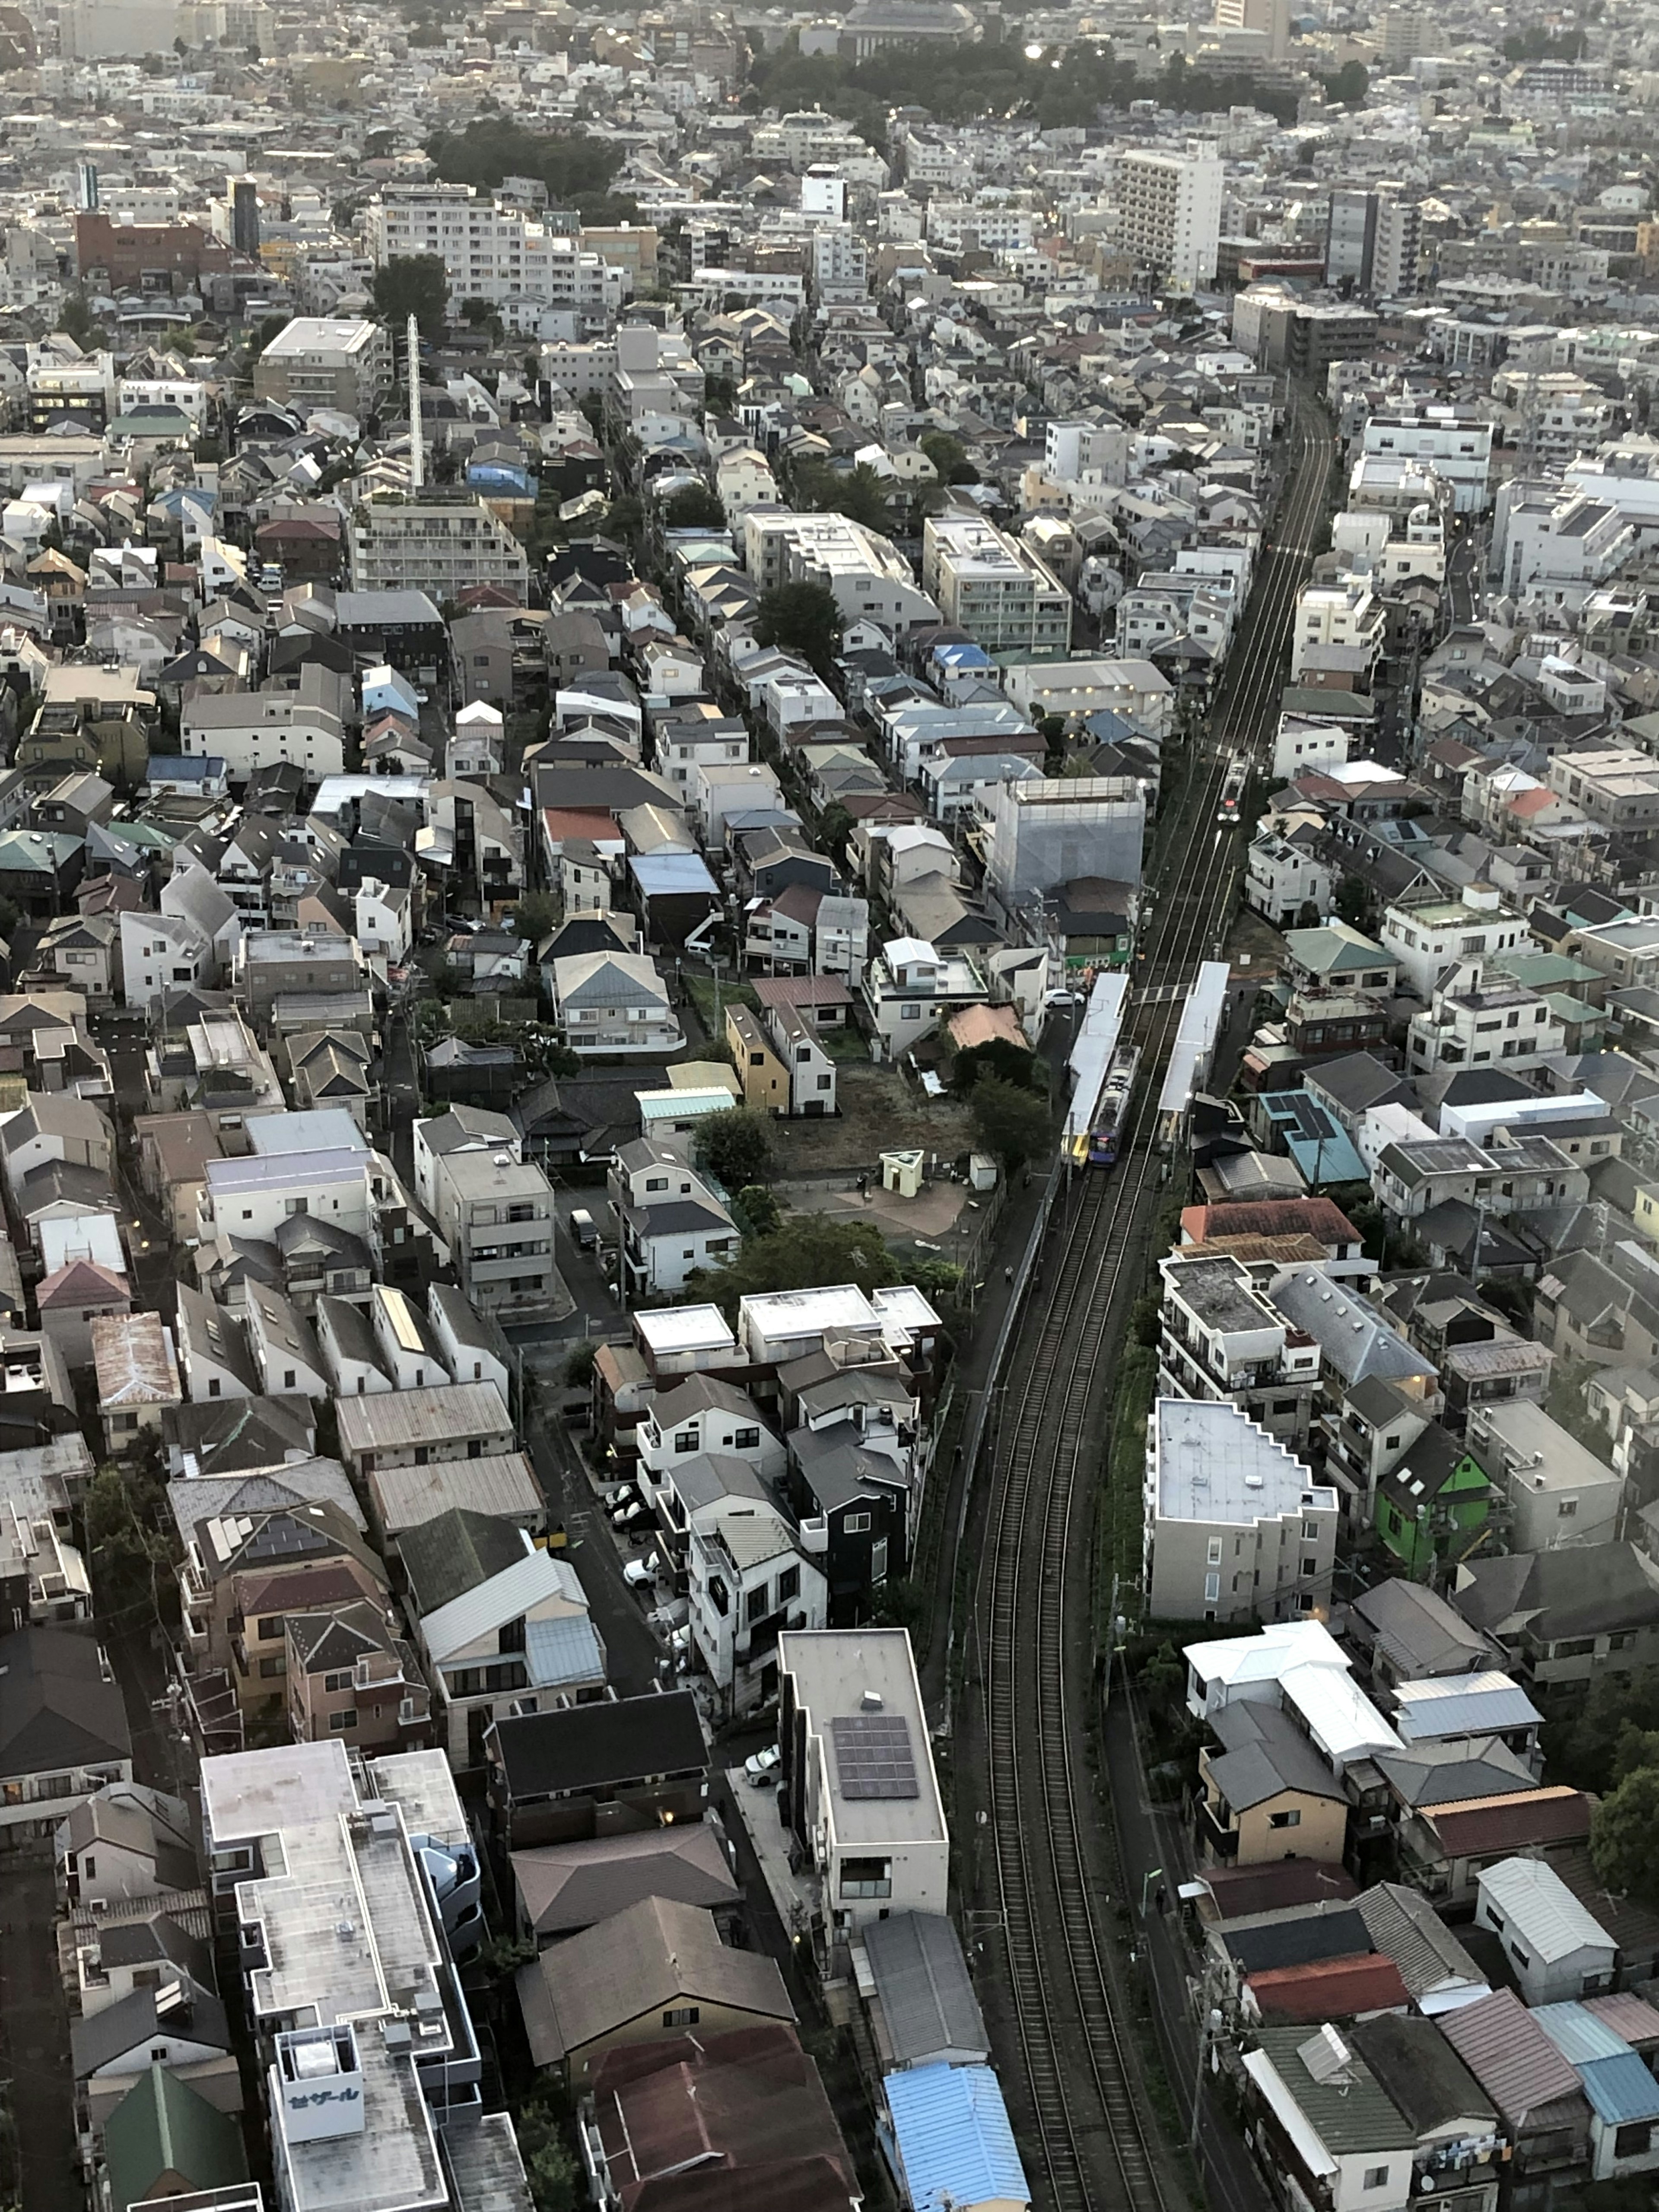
(955, 2145)
(1620, 2089)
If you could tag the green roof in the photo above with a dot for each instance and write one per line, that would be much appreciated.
(162, 2127)
(1545, 971)
(1350, 2111)
(140, 833)
(1334, 949)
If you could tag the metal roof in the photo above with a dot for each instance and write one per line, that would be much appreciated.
(1620, 2089)
(1546, 1915)
(1509, 2054)
(927, 2000)
(562, 1651)
(955, 2144)
(1461, 1705)
(505, 1596)
(1577, 2035)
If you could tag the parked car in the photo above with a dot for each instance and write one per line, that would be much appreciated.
(761, 1767)
(641, 1574)
(637, 1521)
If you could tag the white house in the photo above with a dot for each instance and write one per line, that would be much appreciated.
(1559, 1950)
(748, 1579)
(614, 1002)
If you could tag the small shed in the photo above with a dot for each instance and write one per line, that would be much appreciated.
(1556, 1948)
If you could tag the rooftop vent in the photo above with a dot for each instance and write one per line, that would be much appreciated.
(870, 1701)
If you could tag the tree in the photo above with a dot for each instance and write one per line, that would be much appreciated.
(1585, 1749)
(624, 519)
(1307, 915)
(1000, 1057)
(412, 284)
(949, 457)
(693, 506)
(1010, 1122)
(75, 319)
(1625, 1836)
(548, 2163)
(536, 916)
(859, 493)
(803, 618)
(762, 1209)
(834, 827)
(735, 1147)
(1350, 84)
(579, 1368)
(577, 169)
(1353, 903)
(807, 1252)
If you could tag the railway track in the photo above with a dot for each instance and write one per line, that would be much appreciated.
(1089, 2140)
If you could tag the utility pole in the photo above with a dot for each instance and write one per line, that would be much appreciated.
(417, 445)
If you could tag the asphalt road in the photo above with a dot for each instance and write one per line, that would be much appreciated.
(34, 2041)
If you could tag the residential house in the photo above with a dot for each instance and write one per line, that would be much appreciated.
(1556, 1948)
(64, 1732)
(614, 1002)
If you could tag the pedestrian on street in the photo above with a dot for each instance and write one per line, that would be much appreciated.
(1162, 1899)
(1007, 1274)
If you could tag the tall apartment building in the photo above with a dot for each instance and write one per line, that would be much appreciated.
(1372, 241)
(1407, 30)
(439, 543)
(317, 362)
(493, 251)
(1456, 445)
(994, 587)
(841, 262)
(1235, 1527)
(1272, 18)
(1170, 206)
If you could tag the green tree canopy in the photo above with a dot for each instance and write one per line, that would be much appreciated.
(998, 1056)
(693, 506)
(949, 457)
(859, 493)
(735, 1147)
(1625, 1836)
(536, 916)
(264, 331)
(761, 1209)
(1585, 1749)
(1350, 84)
(803, 618)
(807, 1252)
(1010, 1122)
(577, 169)
(412, 284)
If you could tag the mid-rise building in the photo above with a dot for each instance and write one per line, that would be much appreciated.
(1457, 445)
(492, 250)
(1235, 1527)
(1171, 212)
(1372, 241)
(441, 542)
(312, 362)
(355, 1887)
(1220, 1339)
(995, 587)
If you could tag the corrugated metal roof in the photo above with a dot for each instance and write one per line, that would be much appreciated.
(954, 2142)
(1632, 2019)
(1546, 1914)
(1508, 2055)
(1620, 2089)
(1467, 1704)
(538, 1575)
(1578, 2035)
(558, 1652)
(926, 1994)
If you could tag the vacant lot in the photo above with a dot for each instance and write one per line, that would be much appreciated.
(881, 1111)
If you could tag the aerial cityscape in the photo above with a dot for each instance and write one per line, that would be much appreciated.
(828, 1107)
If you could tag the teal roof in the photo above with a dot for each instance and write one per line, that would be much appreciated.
(163, 2127)
(955, 2144)
(44, 851)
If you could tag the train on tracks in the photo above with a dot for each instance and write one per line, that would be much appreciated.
(1232, 792)
(1112, 1116)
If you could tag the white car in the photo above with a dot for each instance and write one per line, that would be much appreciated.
(641, 1574)
(761, 1767)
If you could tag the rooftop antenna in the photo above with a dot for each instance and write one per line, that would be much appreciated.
(416, 448)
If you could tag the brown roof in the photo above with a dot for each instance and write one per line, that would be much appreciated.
(1329, 1989)
(133, 1360)
(81, 1282)
(1284, 1251)
(1515, 2061)
(1481, 1824)
(749, 2105)
(1241, 1892)
(1277, 1217)
(564, 1887)
(801, 991)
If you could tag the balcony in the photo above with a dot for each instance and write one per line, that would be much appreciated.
(1215, 1840)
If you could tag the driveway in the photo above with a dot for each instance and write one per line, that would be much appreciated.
(34, 2042)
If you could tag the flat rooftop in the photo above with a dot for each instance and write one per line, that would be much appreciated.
(835, 1672)
(1215, 1464)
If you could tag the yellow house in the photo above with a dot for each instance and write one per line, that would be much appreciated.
(763, 1075)
(1267, 1793)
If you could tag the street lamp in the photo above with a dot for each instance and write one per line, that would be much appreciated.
(1147, 1880)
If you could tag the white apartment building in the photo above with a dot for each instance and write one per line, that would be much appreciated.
(439, 543)
(1555, 546)
(840, 263)
(748, 1580)
(1336, 614)
(1472, 1023)
(1170, 208)
(366, 2043)
(1219, 1338)
(994, 587)
(1235, 1527)
(857, 1790)
(1302, 747)
(1429, 940)
(1614, 784)
(1456, 446)
(870, 578)
(494, 253)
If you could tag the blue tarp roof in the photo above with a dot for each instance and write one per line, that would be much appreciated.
(955, 2145)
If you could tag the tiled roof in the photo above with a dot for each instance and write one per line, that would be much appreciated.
(1496, 1824)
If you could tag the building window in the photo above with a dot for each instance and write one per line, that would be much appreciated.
(1214, 1552)
(856, 1524)
(340, 1722)
(1376, 2177)
(867, 1878)
(1290, 1819)
(1212, 1588)
(681, 2016)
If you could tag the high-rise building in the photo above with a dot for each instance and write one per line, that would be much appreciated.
(1406, 31)
(1171, 213)
(245, 216)
(1272, 18)
(1372, 241)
